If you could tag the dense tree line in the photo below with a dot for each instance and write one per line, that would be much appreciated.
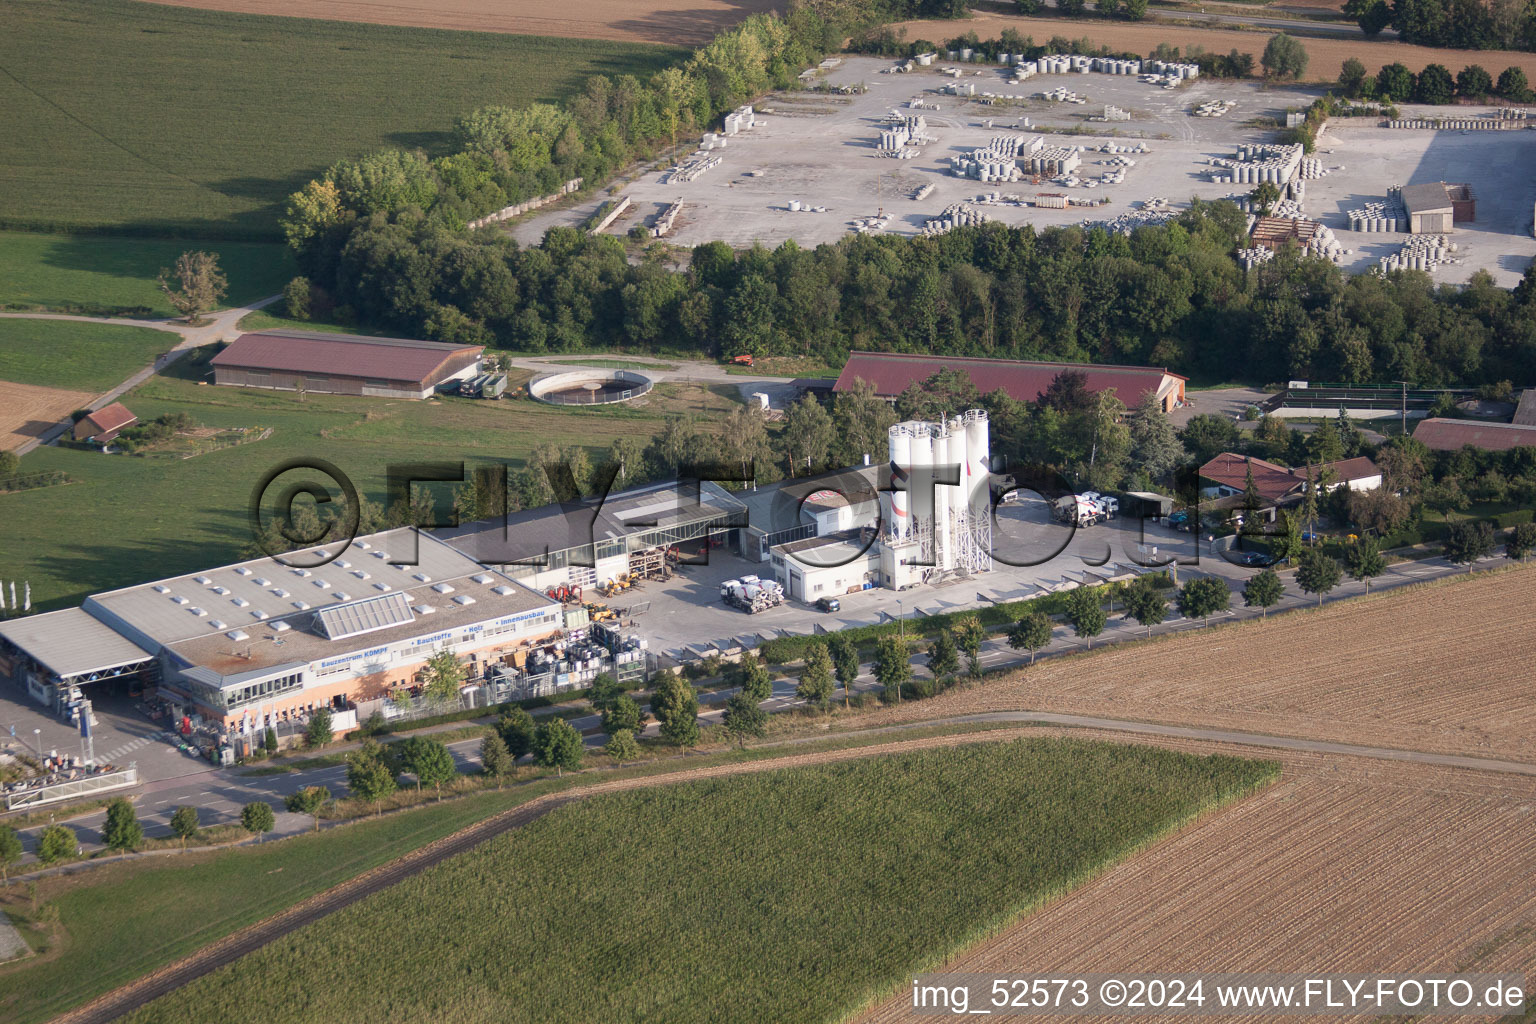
(1395, 83)
(1168, 295)
(505, 155)
(1459, 24)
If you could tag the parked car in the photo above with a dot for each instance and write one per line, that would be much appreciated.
(828, 604)
(1252, 558)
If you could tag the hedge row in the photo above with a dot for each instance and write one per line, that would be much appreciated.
(785, 649)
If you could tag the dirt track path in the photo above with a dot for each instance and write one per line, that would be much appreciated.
(225, 951)
(221, 326)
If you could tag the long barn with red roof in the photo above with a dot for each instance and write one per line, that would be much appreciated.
(343, 364)
(891, 373)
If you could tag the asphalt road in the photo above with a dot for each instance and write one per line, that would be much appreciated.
(220, 794)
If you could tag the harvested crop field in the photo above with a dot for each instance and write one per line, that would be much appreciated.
(27, 410)
(630, 20)
(1443, 668)
(1326, 56)
(1345, 865)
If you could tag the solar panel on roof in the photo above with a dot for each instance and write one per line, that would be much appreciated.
(365, 616)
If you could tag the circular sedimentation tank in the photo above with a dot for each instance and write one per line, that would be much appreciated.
(590, 387)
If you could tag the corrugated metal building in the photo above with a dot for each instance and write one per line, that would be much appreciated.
(343, 364)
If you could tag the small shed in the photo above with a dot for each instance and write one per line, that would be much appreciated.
(1430, 210)
(103, 424)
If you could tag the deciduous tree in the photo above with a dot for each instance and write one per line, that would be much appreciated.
(892, 667)
(1145, 603)
(1284, 57)
(318, 732)
(1468, 542)
(368, 776)
(969, 636)
(309, 800)
(1521, 541)
(516, 727)
(1263, 591)
(744, 719)
(495, 759)
(1085, 613)
(199, 284)
(122, 831)
(1318, 573)
(257, 818)
(1364, 561)
(943, 656)
(815, 686)
(10, 852)
(1204, 596)
(57, 843)
(558, 745)
(1031, 633)
(621, 746)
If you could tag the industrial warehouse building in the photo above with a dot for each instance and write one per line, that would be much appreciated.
(1445, 435)
(343, 364)
(261, 641)
(893, 373)
(595, 542)
(1434, 208)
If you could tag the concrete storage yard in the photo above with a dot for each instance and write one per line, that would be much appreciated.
(820, 150)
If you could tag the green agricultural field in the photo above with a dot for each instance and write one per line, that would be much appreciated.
(163, 120)
(76, 355)
(795, 895)
(99, 274)
(125, 519)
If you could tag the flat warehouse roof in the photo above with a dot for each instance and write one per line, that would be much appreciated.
(72, 643)
(247, 594)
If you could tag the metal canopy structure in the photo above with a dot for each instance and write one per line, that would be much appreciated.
(365, 616)
(73, 646)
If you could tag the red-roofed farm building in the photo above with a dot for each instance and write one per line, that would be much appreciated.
(891, 374)
(343, 364)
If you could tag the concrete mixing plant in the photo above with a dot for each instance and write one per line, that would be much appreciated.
(937, 530)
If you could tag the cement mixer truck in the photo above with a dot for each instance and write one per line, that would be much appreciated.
(751, 594)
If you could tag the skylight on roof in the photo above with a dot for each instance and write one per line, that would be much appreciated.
(464, 599)
(161, 588)
(180, 600)
(197, 611)
(320, 583)
(383, 587)
(481, 577)
(239, 602)
(501, 589)
(280, 627)
(279, 592)
(422, 577)
(217, 623)
(238, 634)
(221, 591)
(443, 588)
(258, 614)
(301, 572)
(361, 574)
(243, 571)
(301, 605)
(262, 581)
(204, 580)
(364, 616)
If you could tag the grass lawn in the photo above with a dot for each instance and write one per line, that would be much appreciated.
(124, 920)
(76, 356)
(202, 122)
(167, 516)
(103, 274)
(796, 895)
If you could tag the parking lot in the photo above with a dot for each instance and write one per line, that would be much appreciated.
(123, 733)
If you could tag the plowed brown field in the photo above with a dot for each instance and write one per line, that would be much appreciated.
(1326, 56)
(27, 410)
(639, 21)
(1444, 668)
(1344, 866)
